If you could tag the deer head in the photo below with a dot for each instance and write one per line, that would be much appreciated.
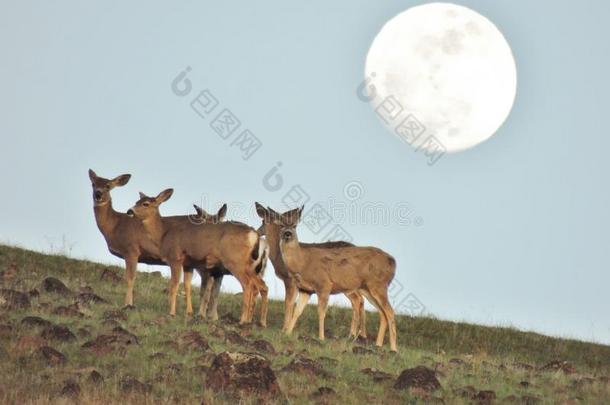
(101, 186)
(147, 207)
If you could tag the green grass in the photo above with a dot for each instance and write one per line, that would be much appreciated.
(489, 353)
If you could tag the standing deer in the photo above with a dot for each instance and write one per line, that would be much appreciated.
(232, 245)
(126, 237)
(325, 271)
(271, 230)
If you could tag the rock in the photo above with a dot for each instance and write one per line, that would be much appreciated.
(110, 276)
(70, 389)
(242, 375)
(229, 319)
(235, 338)
(377, 374)
(6, 331)
(262, 345)
(307, 366)
(95, 378)
(34, 293)
(11, 300)
(157, 356)
(206, 359)
(131, 385)
(51, 357)
(115, 315)
(419, 377)
(468, 392)
(192, 340)
(71, 310)
(558, 365)
(529, 400)
(523, 366)
(322, 393)
(117, 341)
(524, 384)
(58, 332)
(83, 333)
(126, 336)
(53, 285)
(35, 321)
(362, 350)
(485, 397)
(90, 298)
(27, 344)
(457, 362)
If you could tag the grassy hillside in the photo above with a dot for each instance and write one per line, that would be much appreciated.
(156, 359)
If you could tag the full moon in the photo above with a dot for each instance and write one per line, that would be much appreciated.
(444, 68)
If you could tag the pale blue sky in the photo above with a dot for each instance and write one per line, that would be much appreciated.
(514, 231)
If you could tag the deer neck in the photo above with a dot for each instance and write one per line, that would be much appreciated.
(106, 217)
(273, 240)
(155, 228)
(292, 254)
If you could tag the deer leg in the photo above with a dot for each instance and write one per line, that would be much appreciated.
(383, 323)
(291, 294)
(322, 304)
(131, 267)
(382, 298)
(246, 286)
(253, 295)
(204, 293)
(174, 282)
(356, 300)
(188, 279)
(362, 318)
(298, 310)
(263, 290)
(215, 292)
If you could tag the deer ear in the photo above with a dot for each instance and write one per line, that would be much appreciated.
(261, 211)
(222, 212)
(92, 175)
(121, 180)
(199, 210)
(142, 195)
(164, 195)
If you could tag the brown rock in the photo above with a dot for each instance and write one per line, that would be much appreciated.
(70, 389)
(362, 350)
(558, 365)
(377, 374)
(51, 357)
(34, 293)
(27, 344)
(192, 340)
(468, 392)
(322, 393)
(95, 378)
(485, 397)
(115, 315)
(242, 375)
(307, 366)
(71, 310)
(115, 342)
(235, 338)
(419, 377)
(11, 300)
(90, 298)
(58, 332)
(131, 385)
(110, 276)
(53, 285)
(35, 321)
(264, 346)
(529, 400)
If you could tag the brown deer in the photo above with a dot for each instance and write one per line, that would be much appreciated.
(325, 271)
(126, 237)
(271, 230)
(234, 246)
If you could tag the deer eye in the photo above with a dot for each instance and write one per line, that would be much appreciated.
(146, 204)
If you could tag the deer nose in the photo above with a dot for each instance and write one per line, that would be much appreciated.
(130, 213)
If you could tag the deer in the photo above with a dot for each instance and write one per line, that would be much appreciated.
(126, 237)
(324, 271)
(234, 246)
(271, 230)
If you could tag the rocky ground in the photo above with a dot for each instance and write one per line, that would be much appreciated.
(64, 337)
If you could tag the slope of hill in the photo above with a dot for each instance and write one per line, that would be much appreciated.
(63, 345)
